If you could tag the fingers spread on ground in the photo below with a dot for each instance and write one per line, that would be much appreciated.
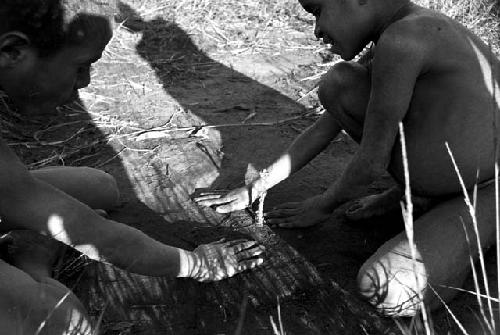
(234, 243)
(290, 225)
(249, 253)
(215, 202)
(278, 221)
(288, 205)
(356, 206)
(213, 192)
(283, 213)
(245, 245)
(207, 197)
(228, 208)
(249, 264)
(221, 241)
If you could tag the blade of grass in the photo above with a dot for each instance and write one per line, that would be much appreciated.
(474, 272)
(281, 330)
(495, 146)
(472, 214)
(243, 312)
(459, 324)
(408, 220)
(471, 292)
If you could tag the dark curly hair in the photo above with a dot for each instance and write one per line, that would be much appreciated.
(51, 24)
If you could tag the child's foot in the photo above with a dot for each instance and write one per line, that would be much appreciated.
(375, 205)
(384, 203)
(33, 253)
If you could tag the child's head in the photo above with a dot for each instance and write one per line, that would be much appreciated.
(48, 46)
(349, 25)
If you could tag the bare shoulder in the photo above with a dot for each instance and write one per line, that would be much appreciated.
(422, 32)
(437, 41)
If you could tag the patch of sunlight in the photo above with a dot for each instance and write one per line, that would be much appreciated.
(55, 224)
(89, 250)
(490, 77)
(284, 162)
(251, 174)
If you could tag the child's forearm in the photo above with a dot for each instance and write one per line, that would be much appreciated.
(38, 206)
(307, 146)
(352, 184)
(132, 250)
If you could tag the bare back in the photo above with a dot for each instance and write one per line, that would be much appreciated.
(453, 101)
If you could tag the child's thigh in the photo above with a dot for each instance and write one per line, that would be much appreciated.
(387, 279)
(93, 187)
(27, 306)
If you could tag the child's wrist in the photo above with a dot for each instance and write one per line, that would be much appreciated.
(187, 263)
(257, 187)
(260, 185)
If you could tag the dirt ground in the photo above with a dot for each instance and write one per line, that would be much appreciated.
(167, 114)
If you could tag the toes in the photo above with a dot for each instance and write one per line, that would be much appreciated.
(355, 211)
(356, 206)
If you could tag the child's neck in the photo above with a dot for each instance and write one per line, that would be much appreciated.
(399, 10)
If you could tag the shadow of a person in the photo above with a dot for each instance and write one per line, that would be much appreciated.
(217, 95)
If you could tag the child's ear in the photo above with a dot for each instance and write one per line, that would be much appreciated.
(13, 48)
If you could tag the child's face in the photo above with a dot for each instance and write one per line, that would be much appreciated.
(47, 82)
(341, 23)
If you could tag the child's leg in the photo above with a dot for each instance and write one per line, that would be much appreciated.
(31, 252)
(27, 305)
(344, 92)
(387, 279)
(93, 187)
(386, 202)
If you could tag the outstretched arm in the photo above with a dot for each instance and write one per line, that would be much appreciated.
(305, 147)
(28, 203)
(399, 60)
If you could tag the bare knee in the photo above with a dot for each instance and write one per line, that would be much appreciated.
(108, 188)
(393, 289)
(96, 188)
(344, 92)
(335, 83)
(93, 187)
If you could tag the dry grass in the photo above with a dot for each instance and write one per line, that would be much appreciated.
(221, 28)
(480, 16)
(228, 28)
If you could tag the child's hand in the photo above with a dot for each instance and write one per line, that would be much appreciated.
(299, 214)
(216, 261)
(225, 203)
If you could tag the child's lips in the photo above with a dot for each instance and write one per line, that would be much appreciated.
(333, 45)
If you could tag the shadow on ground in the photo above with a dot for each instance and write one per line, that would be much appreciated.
(130, 128)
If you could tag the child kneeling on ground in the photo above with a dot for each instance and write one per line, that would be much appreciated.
(441, 81)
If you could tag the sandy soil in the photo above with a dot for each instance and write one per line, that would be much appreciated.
(143, 83)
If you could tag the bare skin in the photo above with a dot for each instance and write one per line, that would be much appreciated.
(59, 203)
(435, 76)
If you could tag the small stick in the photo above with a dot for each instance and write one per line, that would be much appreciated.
(260, 212)
(264, 174)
